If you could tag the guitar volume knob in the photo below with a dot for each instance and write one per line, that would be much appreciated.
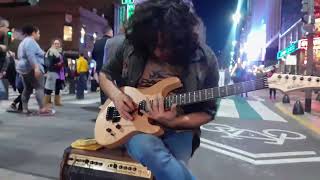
(118, 126)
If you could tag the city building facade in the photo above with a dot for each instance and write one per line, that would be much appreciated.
(77, 23)
(260, 32)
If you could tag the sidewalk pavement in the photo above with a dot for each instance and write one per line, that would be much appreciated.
(308, 120)
(12, 175)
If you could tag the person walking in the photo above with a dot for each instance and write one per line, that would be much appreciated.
(31, 66)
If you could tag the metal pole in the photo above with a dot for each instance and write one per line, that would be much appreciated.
(308, 93)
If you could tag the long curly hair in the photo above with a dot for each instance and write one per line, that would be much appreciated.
(174, 20)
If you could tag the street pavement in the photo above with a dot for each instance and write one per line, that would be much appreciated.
(250, 139)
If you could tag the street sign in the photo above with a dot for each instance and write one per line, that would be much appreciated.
(292, 48)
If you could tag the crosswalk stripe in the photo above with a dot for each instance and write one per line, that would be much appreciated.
(265, 112)
(227, 108)
(85, 101)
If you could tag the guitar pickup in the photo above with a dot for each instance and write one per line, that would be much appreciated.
(141, 106)
(116, 119)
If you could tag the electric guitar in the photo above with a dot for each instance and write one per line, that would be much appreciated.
(112, 131)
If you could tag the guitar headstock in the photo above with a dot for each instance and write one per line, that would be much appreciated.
(290, 82)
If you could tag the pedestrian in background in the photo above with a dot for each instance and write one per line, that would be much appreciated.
(99, 52)
(238, 75)
(226, 76)
(16, 82)
(31, 66)
(272, 91)
(93, 76)
(55, 72)
(4, 28)
(82, 71)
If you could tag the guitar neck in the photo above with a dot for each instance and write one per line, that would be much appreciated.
(212, 93)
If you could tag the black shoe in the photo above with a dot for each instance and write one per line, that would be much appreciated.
(12, 108)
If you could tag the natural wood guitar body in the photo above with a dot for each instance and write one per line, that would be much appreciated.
(108, 133)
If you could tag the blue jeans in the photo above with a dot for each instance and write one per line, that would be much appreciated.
(165, 156)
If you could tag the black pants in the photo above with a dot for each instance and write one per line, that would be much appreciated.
(18, 100)
(103, 97)
(94, 86)
(272, 91)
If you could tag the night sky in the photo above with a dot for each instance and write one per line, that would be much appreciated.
(216, 15)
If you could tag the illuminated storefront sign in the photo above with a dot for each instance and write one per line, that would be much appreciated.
(130, 10)
(303, 43)
(292, 48)
(126, 10)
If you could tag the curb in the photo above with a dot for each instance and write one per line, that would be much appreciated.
(302, 119)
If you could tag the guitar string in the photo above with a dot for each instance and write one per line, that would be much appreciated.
(256, 84)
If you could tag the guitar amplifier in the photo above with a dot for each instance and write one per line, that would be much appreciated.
(103, 164)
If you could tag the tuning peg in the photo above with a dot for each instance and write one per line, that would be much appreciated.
(287, 77)
(279, 76)
(309, 79)
(294, 77)
(301, 78)
(318, 80)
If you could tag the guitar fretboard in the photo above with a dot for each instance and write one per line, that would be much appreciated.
(212, 93)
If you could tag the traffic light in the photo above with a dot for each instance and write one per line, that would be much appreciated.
(305, 6)
(308, 11)
(9, 33)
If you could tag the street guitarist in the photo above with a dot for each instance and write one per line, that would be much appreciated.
(162, 39)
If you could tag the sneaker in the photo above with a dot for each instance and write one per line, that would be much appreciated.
(27, 112)
(50, 112)
(12, 108)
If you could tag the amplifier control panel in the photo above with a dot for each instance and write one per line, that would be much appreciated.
(109, 165)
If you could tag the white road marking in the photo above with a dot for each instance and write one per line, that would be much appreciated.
(265, 112)
(260, 162)
(259, 155)
(227, 108)
(268, 136)
(228, 153)
(85, 101)
(258, 98)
